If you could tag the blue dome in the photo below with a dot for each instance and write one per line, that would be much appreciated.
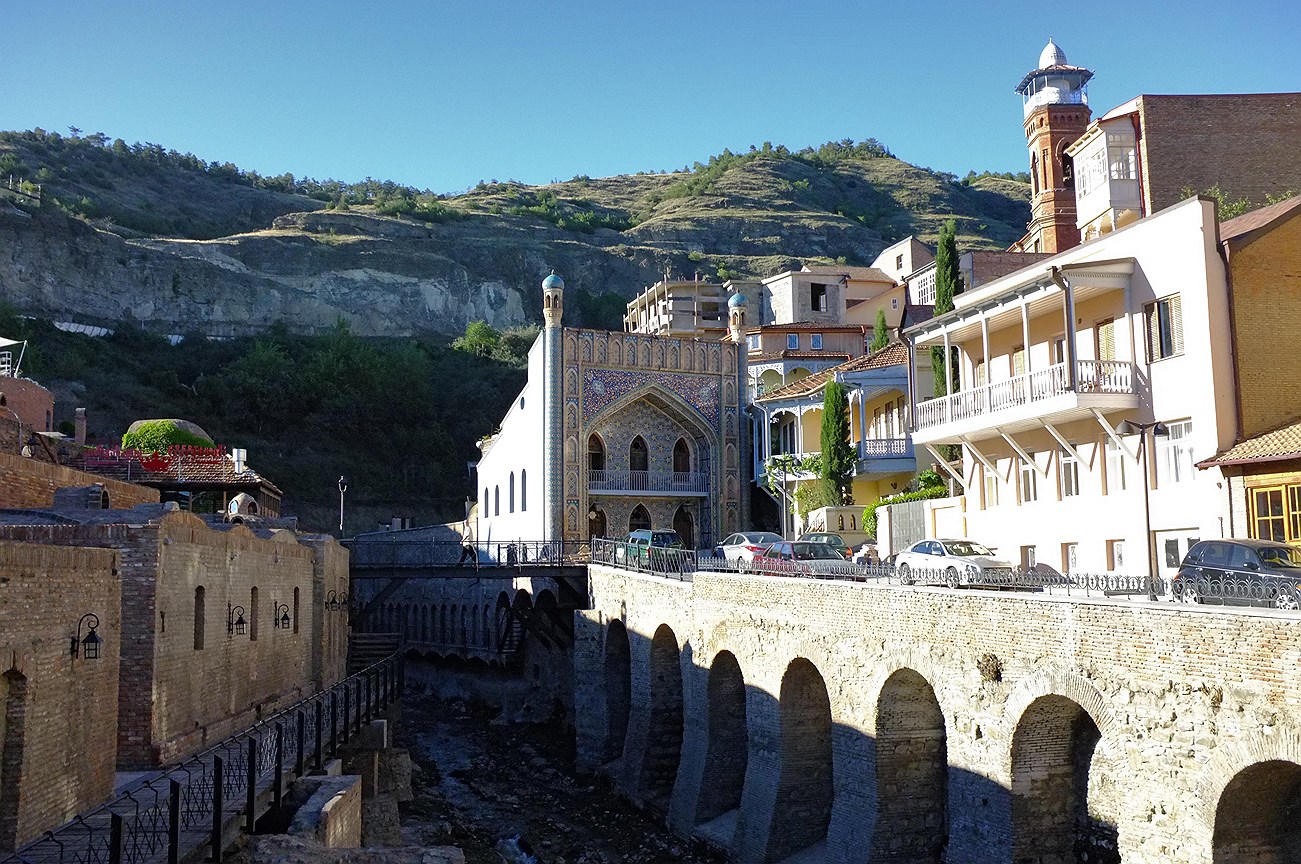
(553, 281)
(736, 301)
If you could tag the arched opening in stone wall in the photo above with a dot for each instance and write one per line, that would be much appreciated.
(685, 525)
(454, 623)
(618, 689)
(442, 624)
(639, 519)
(1258, 817)
(13, 705)
(501, 621)
(638, 456)
(1053, 751)
(911, 773)
(595, 453)
(485, 635)
(659, 767)
(802, 807)
(728, 747)
(596, 524)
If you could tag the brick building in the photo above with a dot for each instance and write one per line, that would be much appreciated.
(220, 625)
(58, 712)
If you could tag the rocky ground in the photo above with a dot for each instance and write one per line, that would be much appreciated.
(480, 782)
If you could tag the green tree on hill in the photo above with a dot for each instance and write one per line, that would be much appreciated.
(838, 456)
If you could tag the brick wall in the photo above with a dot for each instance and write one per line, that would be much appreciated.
(1265, 275)
(1244, 143)
(31, 483)
(1129, 721)
(30, 402)
(176, 697)
(58, 715)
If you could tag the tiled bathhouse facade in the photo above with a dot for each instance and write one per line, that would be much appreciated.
(625, 431)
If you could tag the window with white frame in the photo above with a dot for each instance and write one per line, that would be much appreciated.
(1029, 480)
(793, 341)
(1068, 473)
(815, 341)
(752, 341)
(1174, 453)
(991, 487)
(1115, 554)
(1165, 328)
(1115, 467)
(1070, 556)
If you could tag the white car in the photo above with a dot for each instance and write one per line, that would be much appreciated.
(952, 563)
(744, 545)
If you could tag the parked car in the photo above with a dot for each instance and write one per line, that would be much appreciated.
(1240, 573)
(833, 540)
(951, 562)
(651, 546)
(744, 545)
(799, 558)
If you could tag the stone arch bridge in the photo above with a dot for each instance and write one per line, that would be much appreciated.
(810, 721)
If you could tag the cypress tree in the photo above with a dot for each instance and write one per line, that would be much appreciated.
(880, 333)
(948, 283)
(838, 457)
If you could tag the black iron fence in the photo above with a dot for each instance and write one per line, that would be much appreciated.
(169, 815)
(451, 553)
(680, 564)
(1275, 592)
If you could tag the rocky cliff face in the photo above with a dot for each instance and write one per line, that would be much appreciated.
(403, 276)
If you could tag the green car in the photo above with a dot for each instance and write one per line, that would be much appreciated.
(832, 540)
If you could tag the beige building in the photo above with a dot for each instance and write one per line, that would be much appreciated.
(1050, 360)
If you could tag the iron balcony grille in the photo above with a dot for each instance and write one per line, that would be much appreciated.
(653, 482)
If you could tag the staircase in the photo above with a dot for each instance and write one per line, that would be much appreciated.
(367, 649)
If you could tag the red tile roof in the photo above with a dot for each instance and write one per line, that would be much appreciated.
(796, 355)
(1277, 445)
(1238, 228)
(894, 354)
(204, 467)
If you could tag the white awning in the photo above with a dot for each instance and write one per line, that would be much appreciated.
(5, 342)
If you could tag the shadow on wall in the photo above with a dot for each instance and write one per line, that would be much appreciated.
(772, 779)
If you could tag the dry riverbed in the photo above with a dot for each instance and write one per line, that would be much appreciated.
(478, 782)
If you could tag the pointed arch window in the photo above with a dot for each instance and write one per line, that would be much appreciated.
(496, 500)
(638, 464)
(523, 489)
(511, 494)
(640, 519)
(595, 453)
(681, 457)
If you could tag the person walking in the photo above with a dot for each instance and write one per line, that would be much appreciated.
(468, 552)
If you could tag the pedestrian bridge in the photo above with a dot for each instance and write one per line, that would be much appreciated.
(791, 719)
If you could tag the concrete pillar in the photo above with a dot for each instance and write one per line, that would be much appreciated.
(79, 434)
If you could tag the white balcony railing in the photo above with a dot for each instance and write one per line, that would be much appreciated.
(887, 448)
(651, 482)
(1091, 376)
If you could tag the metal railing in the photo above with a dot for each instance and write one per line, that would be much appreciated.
(1274, 592)
(450, 553)
(1091, 376)
(680, 564)
(167, 816)
(672, 563)
(872, 448)
(623, 480)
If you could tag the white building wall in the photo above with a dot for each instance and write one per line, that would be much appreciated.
(516, 451)
(1175, 254)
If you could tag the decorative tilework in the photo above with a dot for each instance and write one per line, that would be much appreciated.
(604, 387)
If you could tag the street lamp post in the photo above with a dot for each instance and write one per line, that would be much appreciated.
(343, 487)
(1129, 427)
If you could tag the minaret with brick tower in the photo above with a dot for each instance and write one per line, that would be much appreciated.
(1056, 113)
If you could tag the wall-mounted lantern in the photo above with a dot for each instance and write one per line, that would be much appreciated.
(87, 646)
(336, 601)
(280, 616)
(235, 620)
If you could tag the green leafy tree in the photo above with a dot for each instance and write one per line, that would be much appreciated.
(837, 456)
(948, 283)
(480, 338)
(880, 333)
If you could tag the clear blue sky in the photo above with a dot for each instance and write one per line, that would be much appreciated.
(443, 93)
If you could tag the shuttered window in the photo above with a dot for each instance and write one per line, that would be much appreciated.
(1165, 328)
(1107, 339)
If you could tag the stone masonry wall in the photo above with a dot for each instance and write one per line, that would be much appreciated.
(31, 483)
(1143, 712)
(57, 714)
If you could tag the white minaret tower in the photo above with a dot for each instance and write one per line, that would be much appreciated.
(553, 305)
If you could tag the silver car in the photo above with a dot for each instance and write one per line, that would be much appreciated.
(744, 545)
(953, 563)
